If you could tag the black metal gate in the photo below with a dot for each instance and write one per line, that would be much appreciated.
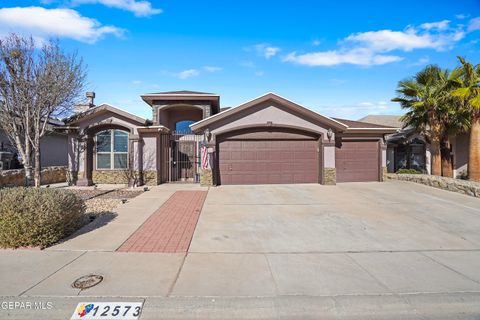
(184, 157)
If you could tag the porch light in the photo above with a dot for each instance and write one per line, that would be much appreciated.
(329, 134)
(207, 135)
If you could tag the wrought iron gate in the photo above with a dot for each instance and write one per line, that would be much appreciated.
(184, 157)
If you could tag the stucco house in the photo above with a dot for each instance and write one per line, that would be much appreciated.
(406, 149)
(53, 146)
(269, 139)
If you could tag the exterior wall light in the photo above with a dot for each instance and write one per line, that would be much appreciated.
(207, 135)
(329, 134)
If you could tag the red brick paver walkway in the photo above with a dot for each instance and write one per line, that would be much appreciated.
(171, 227)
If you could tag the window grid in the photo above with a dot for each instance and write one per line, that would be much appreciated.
(112, 151)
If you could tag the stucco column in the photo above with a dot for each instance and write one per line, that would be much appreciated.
(86, 145)
(134, 178)
(207, 175)
(383, 159)
(329, 170)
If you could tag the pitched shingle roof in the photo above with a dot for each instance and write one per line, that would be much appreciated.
(360, 124)
(384, 120)
(182, 92)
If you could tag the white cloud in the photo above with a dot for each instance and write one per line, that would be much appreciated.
(359, 56)
(212, 69)
(474, 24)
(461, 16)
(136, 82)
(259, 73)
(139, 8)
(375, 47)
(43, 23)
(407, 40)
(187, 74)
(440, 25)
(316, 42)
(264, 49)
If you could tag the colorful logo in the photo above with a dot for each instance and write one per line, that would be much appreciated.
(83, 309)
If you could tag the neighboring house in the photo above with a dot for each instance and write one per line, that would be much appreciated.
(53, 145)
(407, 149)
(269, 139)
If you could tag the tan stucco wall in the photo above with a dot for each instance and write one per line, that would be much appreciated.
(329, 156)
(54, 150)
(149, 152)
(266, 112)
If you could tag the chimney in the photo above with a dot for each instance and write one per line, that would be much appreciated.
(90, 98)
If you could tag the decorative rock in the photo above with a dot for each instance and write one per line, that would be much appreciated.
(470, 188)
(16, 177)
(330, 176)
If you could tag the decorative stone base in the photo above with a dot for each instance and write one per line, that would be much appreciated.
(206, 177)
(470, 188)
(384, 174)
(151, 178)
(330, 176)
(110, 176)
(125, 177)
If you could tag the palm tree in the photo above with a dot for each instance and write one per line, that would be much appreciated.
(424, 97)
(466, 78)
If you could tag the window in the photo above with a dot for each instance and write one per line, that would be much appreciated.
(112, 149)
(184, 126)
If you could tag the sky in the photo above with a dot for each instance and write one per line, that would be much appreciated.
(339, 58)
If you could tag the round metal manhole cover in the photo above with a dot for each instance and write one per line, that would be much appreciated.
(86, 282)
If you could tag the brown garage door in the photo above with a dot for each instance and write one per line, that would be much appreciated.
(357, 161)
(268, 161)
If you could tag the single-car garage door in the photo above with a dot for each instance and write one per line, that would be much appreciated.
(357, 161)
(268, 161)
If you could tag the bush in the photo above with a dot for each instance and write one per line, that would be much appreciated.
(408, 171)
(38, 217)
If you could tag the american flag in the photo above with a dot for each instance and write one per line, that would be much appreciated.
(204, 157)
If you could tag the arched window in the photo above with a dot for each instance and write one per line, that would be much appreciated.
(112, 149)
(184, 126)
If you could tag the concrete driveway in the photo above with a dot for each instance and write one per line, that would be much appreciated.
(350, 217)
(351, 239)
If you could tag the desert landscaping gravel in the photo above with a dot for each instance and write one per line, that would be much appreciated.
(101, 201)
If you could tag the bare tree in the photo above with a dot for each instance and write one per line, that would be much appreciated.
(36, 85)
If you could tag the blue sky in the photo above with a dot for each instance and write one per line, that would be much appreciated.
(340, 58)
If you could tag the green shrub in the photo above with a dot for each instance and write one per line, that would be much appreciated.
(408, 171)
(38, 217)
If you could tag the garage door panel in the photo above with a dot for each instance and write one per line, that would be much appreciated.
(357, 161)
(264, 162)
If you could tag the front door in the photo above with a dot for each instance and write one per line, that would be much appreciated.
(184, 158)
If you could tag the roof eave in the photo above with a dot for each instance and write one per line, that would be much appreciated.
(372, 130)
(104, 107)
(150, 97)
(207, 121)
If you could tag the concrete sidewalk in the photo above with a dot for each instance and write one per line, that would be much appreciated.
(359, 307)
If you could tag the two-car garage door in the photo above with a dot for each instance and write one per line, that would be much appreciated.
(268, 161)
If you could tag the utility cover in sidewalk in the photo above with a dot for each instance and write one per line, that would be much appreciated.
(86, 282)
